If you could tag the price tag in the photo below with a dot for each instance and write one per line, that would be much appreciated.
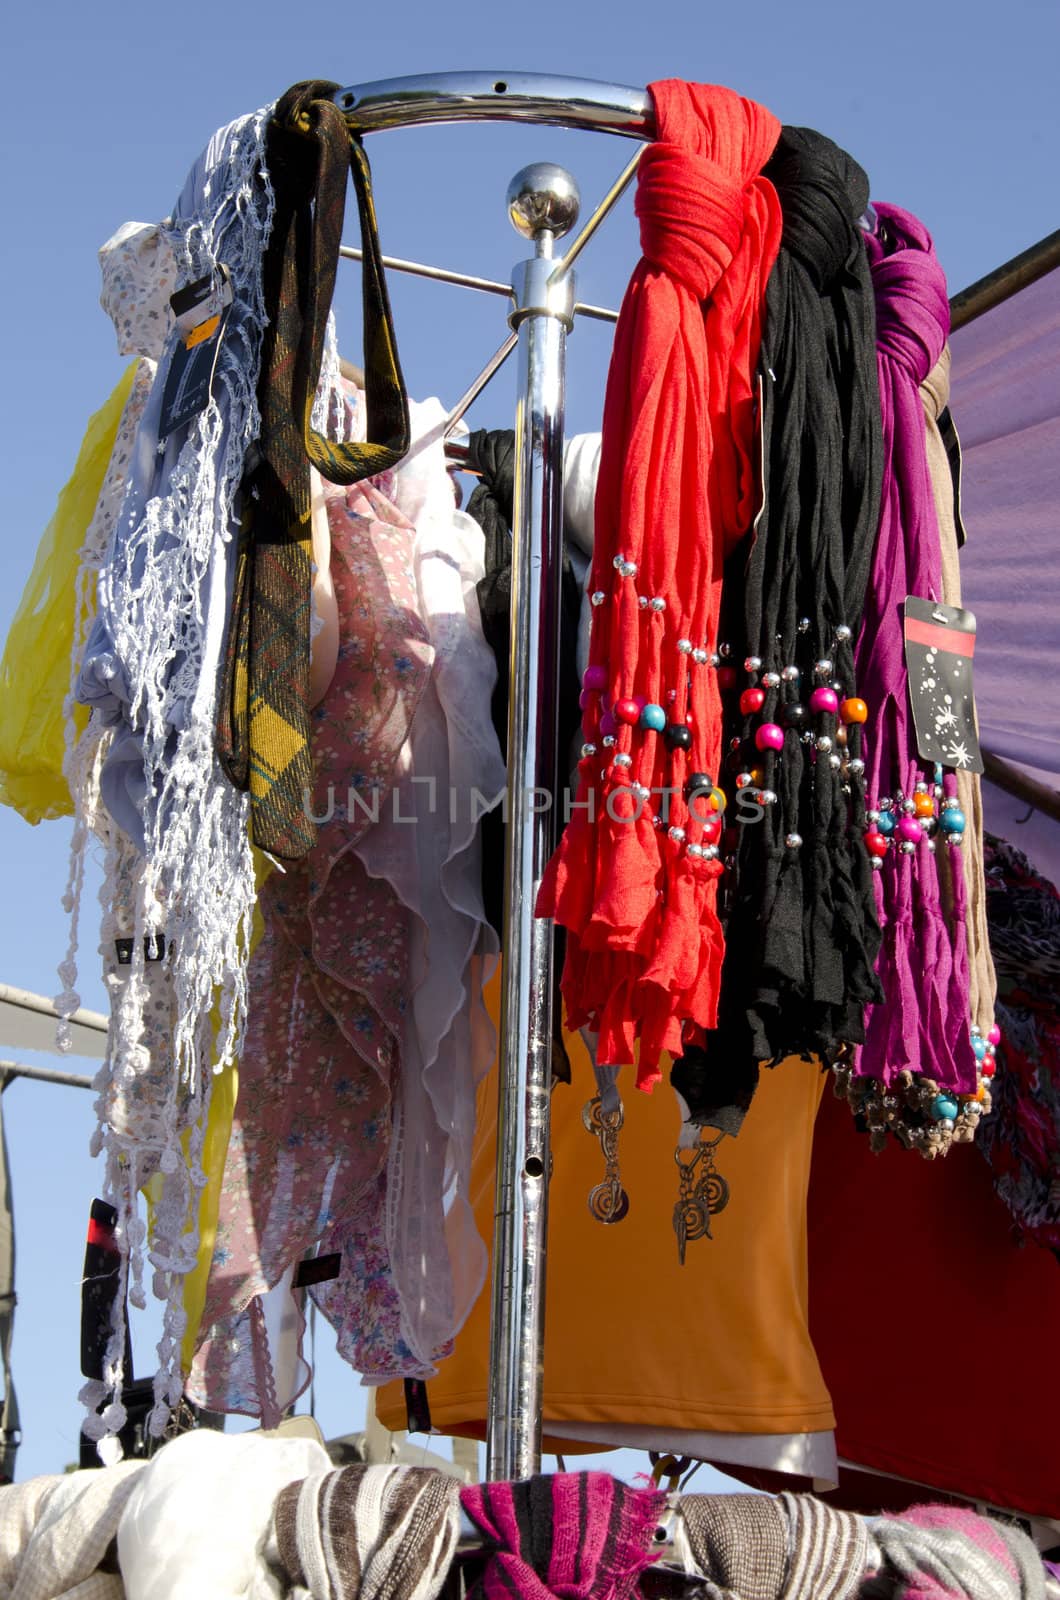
(939, 646)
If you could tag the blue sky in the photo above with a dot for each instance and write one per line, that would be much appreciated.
(951, 109)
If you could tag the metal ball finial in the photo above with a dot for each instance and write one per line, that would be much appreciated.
(543, 198)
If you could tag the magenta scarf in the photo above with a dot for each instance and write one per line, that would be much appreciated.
(923, 1023)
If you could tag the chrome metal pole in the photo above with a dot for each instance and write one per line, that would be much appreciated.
(498, 96)
(543, 204)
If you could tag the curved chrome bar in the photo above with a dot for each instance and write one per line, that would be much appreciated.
(498, 96)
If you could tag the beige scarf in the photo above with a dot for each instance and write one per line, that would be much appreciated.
(935, 394)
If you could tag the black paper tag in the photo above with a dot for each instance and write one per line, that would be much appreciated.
(939, 646)
(200, 312)
(417, 1407)
(317, 1269)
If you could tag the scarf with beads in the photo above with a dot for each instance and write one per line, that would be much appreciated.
(918, 1039)
(801, 932)
(634, 879)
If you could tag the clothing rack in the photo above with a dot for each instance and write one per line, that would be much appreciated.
(543, 205)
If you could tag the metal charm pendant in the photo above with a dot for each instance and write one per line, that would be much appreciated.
(608, 1202)
(700, 1196)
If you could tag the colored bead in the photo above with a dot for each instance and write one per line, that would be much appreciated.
(793, 840)
(769, 737)
(854, 710)
(608, 725)
(988, 1067)
(979, 1048)
(585, 700)
(627, 711)
(886, 824)
(794, 716)
(727, 677)
(698, 783)
(944, 1105)
(752, 700)
(594, 677)
(924, 805)
(994, 1035)
(824, 699)
(719, 798)
(678, 736)
(752, 664)
(875, 844)
(653, 717)
(952, 820)
(910, 830)
(598, 597)
(712, 828)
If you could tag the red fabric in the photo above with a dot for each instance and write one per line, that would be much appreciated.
(935, 1331)
(677, 490)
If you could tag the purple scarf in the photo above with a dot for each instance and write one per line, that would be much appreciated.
(923, 1024)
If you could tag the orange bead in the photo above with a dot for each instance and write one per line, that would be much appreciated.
(925, 806)
(854, 711)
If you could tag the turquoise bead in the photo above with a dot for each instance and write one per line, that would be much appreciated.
(952, 821)
(653, 717)
(886, 823)
(944, 1105)
(979, 1048)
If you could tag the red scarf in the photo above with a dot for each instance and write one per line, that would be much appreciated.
(677, 490)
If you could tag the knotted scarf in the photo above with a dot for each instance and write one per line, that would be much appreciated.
(368, 1533)
(922, 1025)
(634, 879)
(572, 1535)
(940, 1552)
(801, 934)
(765, 1547)
(263, 722)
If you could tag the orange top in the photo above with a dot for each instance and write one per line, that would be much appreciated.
(718, 1345)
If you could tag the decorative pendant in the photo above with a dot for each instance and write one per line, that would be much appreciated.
(608, 1202)
(702, 1194)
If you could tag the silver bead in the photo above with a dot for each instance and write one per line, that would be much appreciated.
(623, 760)
(684, 647)
(842, 633)
(876, 864)
(807, 737)
(824, 743)
(804, 624)
(931, 846)
(699, 657)
(676, 834)
(793, 840)
(766, 797)
(790, 674)
(629, 569)
(725, 650)
(823, 668)
(945, 1124)
(598, 597)
(696, 851)
(658, 603)
(588, 750)
(872, 816)
(743, 779)
(714, 658)
(975, 1030)
(770, 680)
(857, 766)
(710, 852)
(618, 563)
(907, 847)
(886, 804)
(608, 741)
(909, 806)
(835, 762)
(954, 840)
(642, 601)
(641, 792)
(921, 787)
(753, 664)
(542, 198)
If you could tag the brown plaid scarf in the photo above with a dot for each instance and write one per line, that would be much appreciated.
(263, 731)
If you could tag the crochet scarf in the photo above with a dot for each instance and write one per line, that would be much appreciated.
(919, 1035)
(571, 1535)
(634, 880)
(801, 933)
(263, 725)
